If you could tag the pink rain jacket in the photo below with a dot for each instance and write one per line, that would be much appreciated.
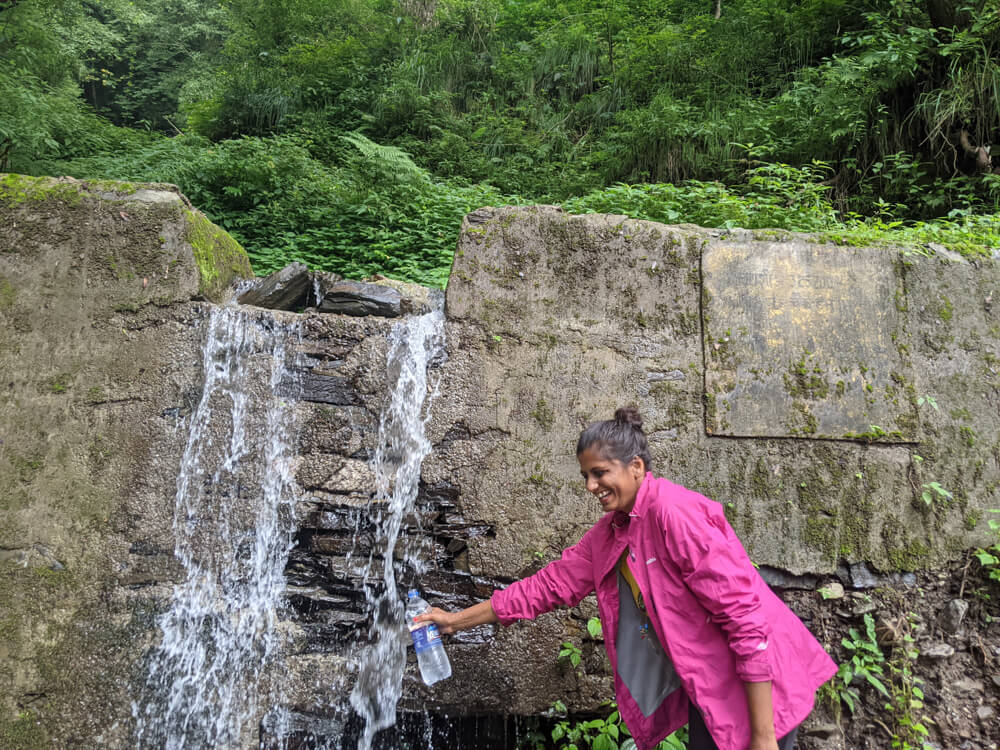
(716, 617)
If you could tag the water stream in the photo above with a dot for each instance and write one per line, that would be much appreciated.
(218, 668)
(402, 446)
(208, 678)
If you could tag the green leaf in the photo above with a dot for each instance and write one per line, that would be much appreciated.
(594, 627)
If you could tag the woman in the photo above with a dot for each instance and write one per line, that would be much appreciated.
(692, 631)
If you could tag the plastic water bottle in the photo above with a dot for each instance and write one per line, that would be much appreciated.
(433, 661)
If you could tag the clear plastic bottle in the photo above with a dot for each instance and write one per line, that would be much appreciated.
(433, 661)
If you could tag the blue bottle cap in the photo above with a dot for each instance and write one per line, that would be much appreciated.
(413, 594)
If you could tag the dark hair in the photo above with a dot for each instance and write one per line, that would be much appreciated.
(620, 439)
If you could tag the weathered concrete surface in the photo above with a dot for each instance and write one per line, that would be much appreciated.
(99, 347)
(805, 340)
(555, 320)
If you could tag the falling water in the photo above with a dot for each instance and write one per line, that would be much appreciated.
(402, 446)
(207, 680)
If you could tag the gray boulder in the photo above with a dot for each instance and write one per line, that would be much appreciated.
(359, 298)
(287, 289)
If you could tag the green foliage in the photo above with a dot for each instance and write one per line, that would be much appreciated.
(367, 128)
(989, 557)
(776, 196)
(607, 733)
(571, 653)
(376, 212)
(906, 700)
(933, 491)
(867, 662)
(594, 628)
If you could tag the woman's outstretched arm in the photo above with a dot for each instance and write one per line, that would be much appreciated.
(452, 622)
(761, 716)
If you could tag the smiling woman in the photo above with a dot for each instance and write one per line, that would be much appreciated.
(693, 633)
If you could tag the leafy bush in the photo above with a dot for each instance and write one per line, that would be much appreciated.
(377, 212)
(776, 196)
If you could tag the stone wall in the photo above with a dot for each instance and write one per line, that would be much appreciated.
(812, 389)
(552, 322)
(99, 342)
(878, 369)
(555, 320)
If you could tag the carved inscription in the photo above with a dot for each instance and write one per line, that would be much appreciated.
(805, 340)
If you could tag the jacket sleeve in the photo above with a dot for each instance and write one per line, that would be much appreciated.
(565, 582)
(718, 571)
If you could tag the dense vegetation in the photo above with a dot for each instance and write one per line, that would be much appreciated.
(354, 134)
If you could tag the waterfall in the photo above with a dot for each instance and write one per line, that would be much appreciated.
(402, 446)
(208, 678)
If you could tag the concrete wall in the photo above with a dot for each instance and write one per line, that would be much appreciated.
(789, 380)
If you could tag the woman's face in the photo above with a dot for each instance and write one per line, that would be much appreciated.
(613, 483)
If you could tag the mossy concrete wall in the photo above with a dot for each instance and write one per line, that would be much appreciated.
(556, 319)
(99, 350)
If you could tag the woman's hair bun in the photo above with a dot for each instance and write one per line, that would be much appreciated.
(629, 415)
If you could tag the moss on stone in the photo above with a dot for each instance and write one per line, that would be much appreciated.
(805, 379)
(972, 518)
(16, 189)
(821, 534)
(24, 732)
(544, 414)
(914, 555)
(113, 186)
(946, 311)
(219, 257)
(7, 294)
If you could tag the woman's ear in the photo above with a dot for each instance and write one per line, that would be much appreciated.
(638, 467)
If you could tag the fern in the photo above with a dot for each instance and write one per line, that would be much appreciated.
(384, 166)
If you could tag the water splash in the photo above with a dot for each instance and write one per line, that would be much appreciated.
(402, 446)
(317, 291)
(207, 680)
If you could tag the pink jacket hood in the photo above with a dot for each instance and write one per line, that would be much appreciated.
(718, 620)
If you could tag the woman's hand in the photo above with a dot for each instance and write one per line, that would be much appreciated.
(452, 622)
(445, 621)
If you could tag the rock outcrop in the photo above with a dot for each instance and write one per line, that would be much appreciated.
(99, 346)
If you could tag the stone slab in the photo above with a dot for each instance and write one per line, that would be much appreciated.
(806, 340)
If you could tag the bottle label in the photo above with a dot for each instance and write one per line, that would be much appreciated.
(425, 635)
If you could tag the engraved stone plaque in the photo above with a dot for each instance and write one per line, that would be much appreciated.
(806, 340)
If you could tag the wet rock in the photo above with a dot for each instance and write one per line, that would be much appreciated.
(950, 618)
(287, 289)
(320, 388)
(859, 576)
(782, 579)
(417, 299)
(359, 298)
(938, 651)
(335, 474)
(985, 713)
(146, 570)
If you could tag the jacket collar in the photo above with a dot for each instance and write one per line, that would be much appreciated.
(621, 519)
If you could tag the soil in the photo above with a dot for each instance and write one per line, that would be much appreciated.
(957, 672)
